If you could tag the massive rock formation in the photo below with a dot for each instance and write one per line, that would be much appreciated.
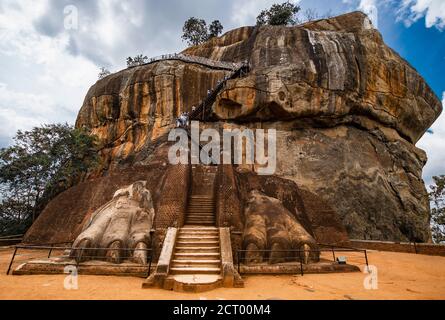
(348, 111)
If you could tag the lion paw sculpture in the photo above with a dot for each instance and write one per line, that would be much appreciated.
(120, 229)
(271, 233)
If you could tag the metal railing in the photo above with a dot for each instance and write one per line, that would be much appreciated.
(46, 251)
(192, 59)
(201, 111)
(297, 255)
(11, 240)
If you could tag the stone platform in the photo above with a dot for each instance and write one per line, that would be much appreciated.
(292, 268)
(57, 266)
(98, 268)
(193, 283)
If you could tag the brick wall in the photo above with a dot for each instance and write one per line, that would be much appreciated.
(419, 248)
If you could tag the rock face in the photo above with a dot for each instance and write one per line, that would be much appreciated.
(348, 111)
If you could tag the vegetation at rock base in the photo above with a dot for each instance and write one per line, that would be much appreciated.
(279, 14)
(39, 165)
(137, 60)
(195, 30)
(437, 197)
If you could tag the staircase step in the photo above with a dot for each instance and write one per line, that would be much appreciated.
(188, 228)
(195, 270)
(195, 265)
(201, 222)
(196, 256)
(201, 207)
(198, 238)
(200, 216)
(198, 235)
(197, 249)
(196, 261)
(199, 229)
(195, 244)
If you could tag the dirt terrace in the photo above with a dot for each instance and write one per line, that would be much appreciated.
(400, 276)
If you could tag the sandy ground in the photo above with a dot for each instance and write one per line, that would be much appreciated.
(400, 276)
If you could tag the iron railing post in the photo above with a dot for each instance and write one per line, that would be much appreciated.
(366, 258)
(50, 251)
(149, 263)
(12, 260)
(301, 262)
(333, 252)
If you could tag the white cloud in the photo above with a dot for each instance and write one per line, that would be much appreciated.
(22, 110)
(434, 145)
(410, 11)
(370, 8)
(41, 81)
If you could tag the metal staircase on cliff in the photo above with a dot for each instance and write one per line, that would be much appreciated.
(203, 109)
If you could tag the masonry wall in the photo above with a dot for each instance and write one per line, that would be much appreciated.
(419, 248)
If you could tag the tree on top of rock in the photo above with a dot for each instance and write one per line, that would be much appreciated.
(195, 31)
(215, 29)
(104, 72)
(137, 60)
(279, 14)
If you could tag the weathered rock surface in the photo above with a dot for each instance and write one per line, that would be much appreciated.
(348, 111)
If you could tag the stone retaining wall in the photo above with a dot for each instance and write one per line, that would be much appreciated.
(419, 248)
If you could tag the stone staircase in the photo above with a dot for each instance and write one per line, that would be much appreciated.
(196, 261)
(201, 211)
(197, 252)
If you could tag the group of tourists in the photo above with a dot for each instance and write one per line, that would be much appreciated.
(183, 120)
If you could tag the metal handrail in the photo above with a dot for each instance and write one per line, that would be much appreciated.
(332, 249)
(200, 112)
(13, 236)
(52, 248)
(193, 59)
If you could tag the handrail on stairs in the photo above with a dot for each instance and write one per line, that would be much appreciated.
(201, 111)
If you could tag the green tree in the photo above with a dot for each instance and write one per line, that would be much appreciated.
(215, 29)
(40, 164)
(437, 198)
(279, 14)
(137, 60)
(195, 31)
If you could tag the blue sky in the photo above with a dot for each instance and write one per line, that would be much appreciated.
(47, 70)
